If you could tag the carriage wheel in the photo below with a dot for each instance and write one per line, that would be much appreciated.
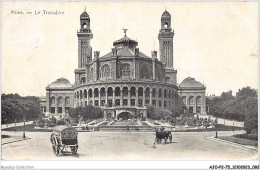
(57, 150)
(74, 150)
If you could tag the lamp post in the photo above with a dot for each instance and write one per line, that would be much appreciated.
(24, 119)
(216, 126)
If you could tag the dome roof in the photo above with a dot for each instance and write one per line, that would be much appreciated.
(60, 83)
(125, 39)
(84, 15)
(190, 82)
(166, 14)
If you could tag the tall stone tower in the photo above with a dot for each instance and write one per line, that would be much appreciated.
(166, 47)
(84, 36)
(166, 40)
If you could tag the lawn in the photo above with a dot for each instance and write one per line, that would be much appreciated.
(28, 128)
(239, 140)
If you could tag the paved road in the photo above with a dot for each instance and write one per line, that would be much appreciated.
(130, 146)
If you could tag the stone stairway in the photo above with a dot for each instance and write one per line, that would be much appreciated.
(124, 128)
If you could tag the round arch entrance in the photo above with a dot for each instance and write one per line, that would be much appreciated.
(124, 116)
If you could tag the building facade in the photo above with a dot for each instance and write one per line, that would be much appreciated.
(124, 81)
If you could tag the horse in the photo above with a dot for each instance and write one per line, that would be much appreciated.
(160, 135)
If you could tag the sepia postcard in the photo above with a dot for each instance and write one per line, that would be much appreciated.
(129, 81)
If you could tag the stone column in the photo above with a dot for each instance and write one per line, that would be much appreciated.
(203, 104)
(166, 99)
(99, 97)
(157, 98)
(93, 97)
(143, 98)
(136, 98)
(106, 97)
(56, 105)
(79, 99)
(129, 98)
(121, 97)
(162, 99)
(63, 106)
(113, 99)
(87, 98)
(151, 98)
(84, 99)
(195, 104)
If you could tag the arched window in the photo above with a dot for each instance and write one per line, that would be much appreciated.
(154, 92)
(133, 90)
(165, 25)
(80, 94)
(85, 94)
(147, 92)
(67, 101)
(140, 91)
(96, 92)
(125, 91)
(83, 80)
(165, 93)
(90, 94)
(198, 100)
(145, 72)
(60, 101)
(117, 91)
(160, 93)
(126, 70)
(52, 100)
(110, 91)
(105, 71)
(102, 91)
(191, 101)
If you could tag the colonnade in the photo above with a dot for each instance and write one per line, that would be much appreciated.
(59, 104)
(194, 103)
(126, 97)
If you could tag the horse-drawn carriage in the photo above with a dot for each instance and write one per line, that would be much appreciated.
(64, 139)
(161, 134)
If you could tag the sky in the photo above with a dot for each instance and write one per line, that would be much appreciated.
(215, 42)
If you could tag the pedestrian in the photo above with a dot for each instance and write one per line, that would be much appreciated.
(127, 128)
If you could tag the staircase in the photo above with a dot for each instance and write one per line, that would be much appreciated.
(124, 128)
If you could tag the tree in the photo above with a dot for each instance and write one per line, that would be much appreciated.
(230, 107)
(246, 92)
(251, 114)
(159, 114)
(87, 112)
(16, 107)
(227, 96)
